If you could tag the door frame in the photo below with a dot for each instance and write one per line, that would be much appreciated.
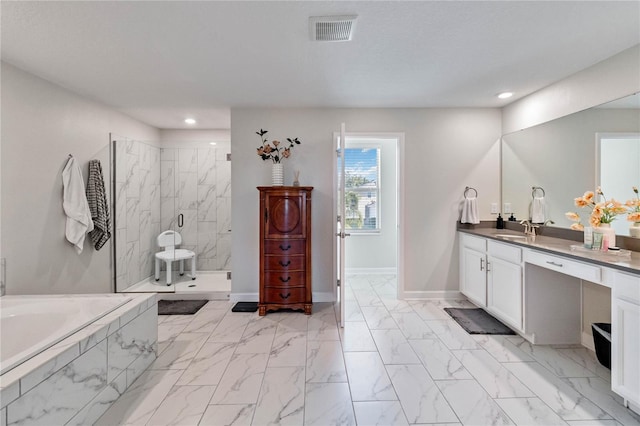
(400, 202)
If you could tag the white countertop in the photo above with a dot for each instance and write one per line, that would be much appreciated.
(561, 247)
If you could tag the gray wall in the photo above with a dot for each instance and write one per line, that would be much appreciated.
(41, 124)
(445, 150)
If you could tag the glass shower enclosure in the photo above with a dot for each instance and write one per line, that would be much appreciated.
(185, 188)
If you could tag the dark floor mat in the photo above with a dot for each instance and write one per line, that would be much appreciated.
(477, 321)
(180, 307)
(245, 307)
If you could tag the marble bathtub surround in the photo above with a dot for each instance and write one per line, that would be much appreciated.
(75, 381)
(312, 373)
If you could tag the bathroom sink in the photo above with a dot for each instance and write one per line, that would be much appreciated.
(511, 237)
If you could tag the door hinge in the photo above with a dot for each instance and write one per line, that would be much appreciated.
(339, 219)
(339, 152)
(338, 281)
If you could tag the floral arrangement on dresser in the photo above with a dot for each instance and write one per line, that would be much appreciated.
(274, 151)
(605, 211)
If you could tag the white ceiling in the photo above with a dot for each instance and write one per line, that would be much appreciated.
(162, 61)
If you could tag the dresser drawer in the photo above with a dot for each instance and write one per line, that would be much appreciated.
(284, 262)
(284, 279)
(566, 266)
(284, 246)
(284, 295)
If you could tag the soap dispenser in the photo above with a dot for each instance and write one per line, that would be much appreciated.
(500, 222)
(512, 218)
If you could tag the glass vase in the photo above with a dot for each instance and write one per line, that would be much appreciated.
(634, 230)
(607, 232)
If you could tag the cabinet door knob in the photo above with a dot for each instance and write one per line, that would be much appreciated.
(285, 296)
(283, 280)
(285, 248)
(284, 265)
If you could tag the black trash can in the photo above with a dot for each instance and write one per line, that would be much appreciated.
(602, 342)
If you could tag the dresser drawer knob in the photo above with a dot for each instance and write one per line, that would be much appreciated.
(285, 296)
(283, 280)
(285, 248)
(284, 265)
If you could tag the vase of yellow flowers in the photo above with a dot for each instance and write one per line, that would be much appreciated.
(634, 214)
(602, 214)
(276, 152)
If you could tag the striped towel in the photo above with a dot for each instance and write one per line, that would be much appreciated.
(97, 198)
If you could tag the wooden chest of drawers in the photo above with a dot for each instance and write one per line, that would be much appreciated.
(285, 248)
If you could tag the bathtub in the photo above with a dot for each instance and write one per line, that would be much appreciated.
(32, 324)
(67, 358)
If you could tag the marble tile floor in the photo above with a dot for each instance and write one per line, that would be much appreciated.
(394, 363)
(206, 282)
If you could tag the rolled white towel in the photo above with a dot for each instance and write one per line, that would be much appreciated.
(470, 211)
(538, 210)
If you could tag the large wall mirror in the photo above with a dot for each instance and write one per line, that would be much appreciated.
(570, 155)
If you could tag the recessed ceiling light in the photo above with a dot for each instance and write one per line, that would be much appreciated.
(212, 143)
(505, 95)
(190, 120)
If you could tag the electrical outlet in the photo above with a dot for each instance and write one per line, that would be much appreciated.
(507, 208)
(494, 208)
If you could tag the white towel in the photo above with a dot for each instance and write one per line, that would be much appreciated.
(75, 205)
(538, 210)
(470, 211)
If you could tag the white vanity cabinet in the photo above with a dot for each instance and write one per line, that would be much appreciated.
(473, 273)
(504, 283)
(625, 337)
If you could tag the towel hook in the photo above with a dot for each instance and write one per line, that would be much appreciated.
(534, 189)
(466, 190)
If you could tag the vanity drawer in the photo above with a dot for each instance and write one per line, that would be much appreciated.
(507, 252)
(474, 243)
(563, 265)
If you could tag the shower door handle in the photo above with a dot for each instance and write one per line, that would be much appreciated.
(180, 220)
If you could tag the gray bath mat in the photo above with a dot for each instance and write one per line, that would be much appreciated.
(180, 307)
(477, 321)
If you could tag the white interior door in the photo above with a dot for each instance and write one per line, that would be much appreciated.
(340, 230)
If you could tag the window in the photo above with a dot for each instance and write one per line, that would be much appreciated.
(362, 190)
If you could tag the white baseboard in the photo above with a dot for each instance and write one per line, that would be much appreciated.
(423, 295)
(372, 271)
(244, 297)
(254, 297)
(193, 296)
(587, 341)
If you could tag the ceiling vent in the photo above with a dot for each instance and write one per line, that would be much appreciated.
(332, 28)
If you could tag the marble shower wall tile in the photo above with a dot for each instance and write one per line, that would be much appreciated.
(133, 219)
(121, 206)
(188, 160)
(168, 154)
(223, 177)
(206, 166)
(223, 252)
(187, 191)
(207, 203)
(207, 239)
(167, 179)
(133, 261)
(121, 162)
(223, 215)
(145, 156)
(132, 180)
